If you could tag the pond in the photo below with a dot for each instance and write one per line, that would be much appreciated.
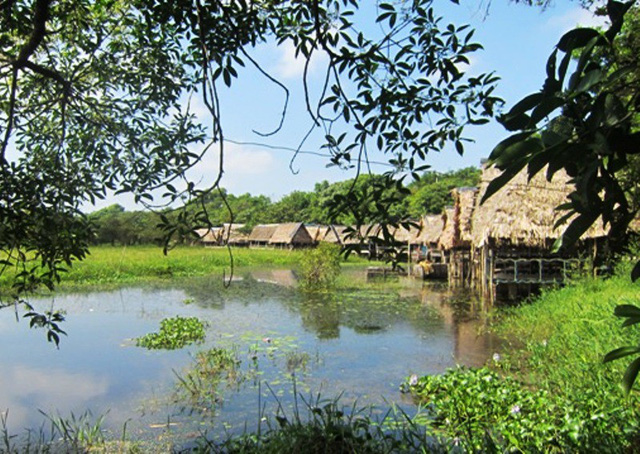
(359, 342)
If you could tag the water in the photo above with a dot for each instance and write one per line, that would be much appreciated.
(361, 343)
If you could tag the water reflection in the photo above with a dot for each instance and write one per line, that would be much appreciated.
(54, 390)
(362, 340)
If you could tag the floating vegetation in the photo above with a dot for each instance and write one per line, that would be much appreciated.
(175, 332)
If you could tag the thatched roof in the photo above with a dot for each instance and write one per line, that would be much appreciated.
(209, 236)
(332, 235)
(317, 232)
(262, 233)
(447, 238)
(523, 212)
(291, 233)
(231, 233)
(431, 228)
(464, 204)
(407, 235)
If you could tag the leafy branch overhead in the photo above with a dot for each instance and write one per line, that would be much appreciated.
(95, 99)
(584, 121)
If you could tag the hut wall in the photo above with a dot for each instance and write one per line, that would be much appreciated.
(301, 237)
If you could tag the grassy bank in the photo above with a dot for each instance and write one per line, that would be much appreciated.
(550, 391)
(107, 265)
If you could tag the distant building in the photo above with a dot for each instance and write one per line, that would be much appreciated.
(291, 235)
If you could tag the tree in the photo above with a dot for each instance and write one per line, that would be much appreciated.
(92, 101)
(293, 207)
(432, 192)
(582, 121)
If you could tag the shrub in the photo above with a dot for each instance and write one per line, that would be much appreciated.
(320, 267)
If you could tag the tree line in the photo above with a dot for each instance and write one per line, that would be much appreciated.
(427, 195)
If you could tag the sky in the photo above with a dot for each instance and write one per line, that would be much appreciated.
(517, 41)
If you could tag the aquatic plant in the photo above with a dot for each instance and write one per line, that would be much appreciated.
(175, 332)
(552, 392)
(318, 425)
(480, 410)
(200, 384)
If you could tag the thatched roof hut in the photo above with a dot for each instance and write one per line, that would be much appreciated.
(262, 233)
(431, 229)
(447, 238)
(209, 236)
(464, 205)
(523, 212)
(317, 232)
(291, 234)
(233, 234)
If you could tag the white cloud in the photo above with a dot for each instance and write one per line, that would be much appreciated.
(21, 385)
(290, 66)
(574, 17)
(240, 162)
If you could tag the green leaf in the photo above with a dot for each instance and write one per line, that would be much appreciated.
(546, 106)
(635, 274)
(620, 353)
(504, 145)
(627, 310)
(631, 374)
(631, 321)
(590, 79)
(576, 38)
(575, 230)
(497, 183)
(519, 152)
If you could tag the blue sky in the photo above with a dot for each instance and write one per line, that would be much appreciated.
(517, 41)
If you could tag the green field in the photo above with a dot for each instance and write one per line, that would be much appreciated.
(115, 265)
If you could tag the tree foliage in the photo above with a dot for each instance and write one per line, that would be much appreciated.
(584, 122)
(93, 100)
(430, 194)
(320, 267)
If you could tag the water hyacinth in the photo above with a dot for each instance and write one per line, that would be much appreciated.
(413, 380)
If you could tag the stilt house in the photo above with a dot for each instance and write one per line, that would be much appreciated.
(455, 241)
(513, 233)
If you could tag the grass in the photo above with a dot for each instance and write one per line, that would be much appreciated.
(321, 426)
(130, 264)
(551, 391)
(115, 265)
